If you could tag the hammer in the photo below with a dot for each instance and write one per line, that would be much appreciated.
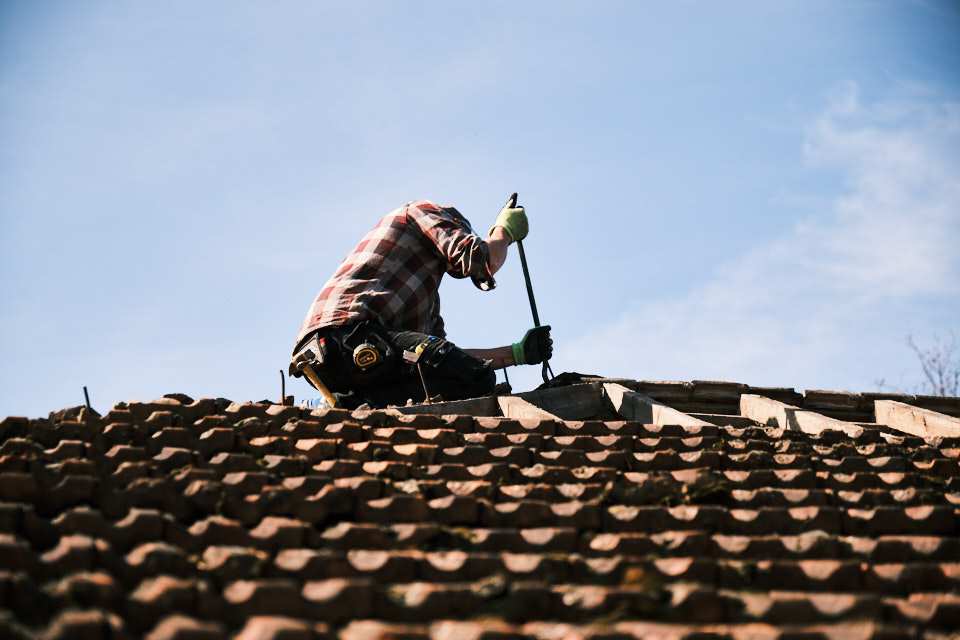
(308, 354)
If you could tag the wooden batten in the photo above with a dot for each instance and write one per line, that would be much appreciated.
(576, 402)
(519, 409)
(637, 406)
(767, 411)
(486, 406)
(914, 420)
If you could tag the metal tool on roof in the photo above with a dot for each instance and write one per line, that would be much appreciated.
(413, 356)
(312, 353)
(284, 398)
(512, 202)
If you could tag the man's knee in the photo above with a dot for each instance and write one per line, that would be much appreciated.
(464, 375)
(478, 376)
(484, 380)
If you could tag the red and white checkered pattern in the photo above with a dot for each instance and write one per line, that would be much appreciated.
(393, 274)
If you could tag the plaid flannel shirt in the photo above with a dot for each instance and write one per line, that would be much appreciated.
(393, 275)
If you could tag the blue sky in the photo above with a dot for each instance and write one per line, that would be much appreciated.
(766, 192)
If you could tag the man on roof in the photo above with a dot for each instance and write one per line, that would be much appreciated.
(374, 333)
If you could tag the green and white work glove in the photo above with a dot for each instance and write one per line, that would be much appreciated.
(514, 222)
(535, 347)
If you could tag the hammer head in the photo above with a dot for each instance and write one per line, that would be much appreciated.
(313, 352)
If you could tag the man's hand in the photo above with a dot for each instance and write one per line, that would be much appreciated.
(513, 220)
(536, 346)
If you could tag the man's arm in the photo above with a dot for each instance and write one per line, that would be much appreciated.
(497, 242)
(466, 254)
(535, 347)
(510, 226)
(499, 357)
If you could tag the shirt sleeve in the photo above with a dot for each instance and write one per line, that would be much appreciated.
(467, 254)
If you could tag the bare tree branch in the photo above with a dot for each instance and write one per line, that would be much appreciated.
(881, 385)
(940, 365)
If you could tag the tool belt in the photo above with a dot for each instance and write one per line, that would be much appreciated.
(348, 357)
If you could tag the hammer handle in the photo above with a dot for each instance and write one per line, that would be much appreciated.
(318, 385)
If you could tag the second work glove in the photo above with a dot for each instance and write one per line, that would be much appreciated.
(514, 222)
(536, 346)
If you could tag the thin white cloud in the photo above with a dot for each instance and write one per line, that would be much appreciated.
(803, 309)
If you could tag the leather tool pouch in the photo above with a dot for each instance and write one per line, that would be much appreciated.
(434, 351)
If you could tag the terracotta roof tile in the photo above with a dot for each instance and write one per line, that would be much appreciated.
(398, 508)
(226, 462)
(127, 472)
(203, 496)
(932, 609)
(218, 530)
(180, 627)
(284, 465)
(267, 596)
(337, 599)
(95, 623)
(345, 432)
(96, 589)
(275, 627)
(227, 563)
(377, 630)
(216, 440)
(155, 596)
(155, 558)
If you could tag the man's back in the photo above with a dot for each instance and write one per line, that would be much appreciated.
(393, 274)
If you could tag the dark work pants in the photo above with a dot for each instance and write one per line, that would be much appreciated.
(450, 372)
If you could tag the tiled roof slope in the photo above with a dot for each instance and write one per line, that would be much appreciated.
(205, 519)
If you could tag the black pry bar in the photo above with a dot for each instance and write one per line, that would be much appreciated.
(512, 202)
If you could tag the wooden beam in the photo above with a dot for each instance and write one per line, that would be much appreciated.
(576, 402)
(636, 406)
(765, 411)
(486, 406)
(916, 421)
(518, 408)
